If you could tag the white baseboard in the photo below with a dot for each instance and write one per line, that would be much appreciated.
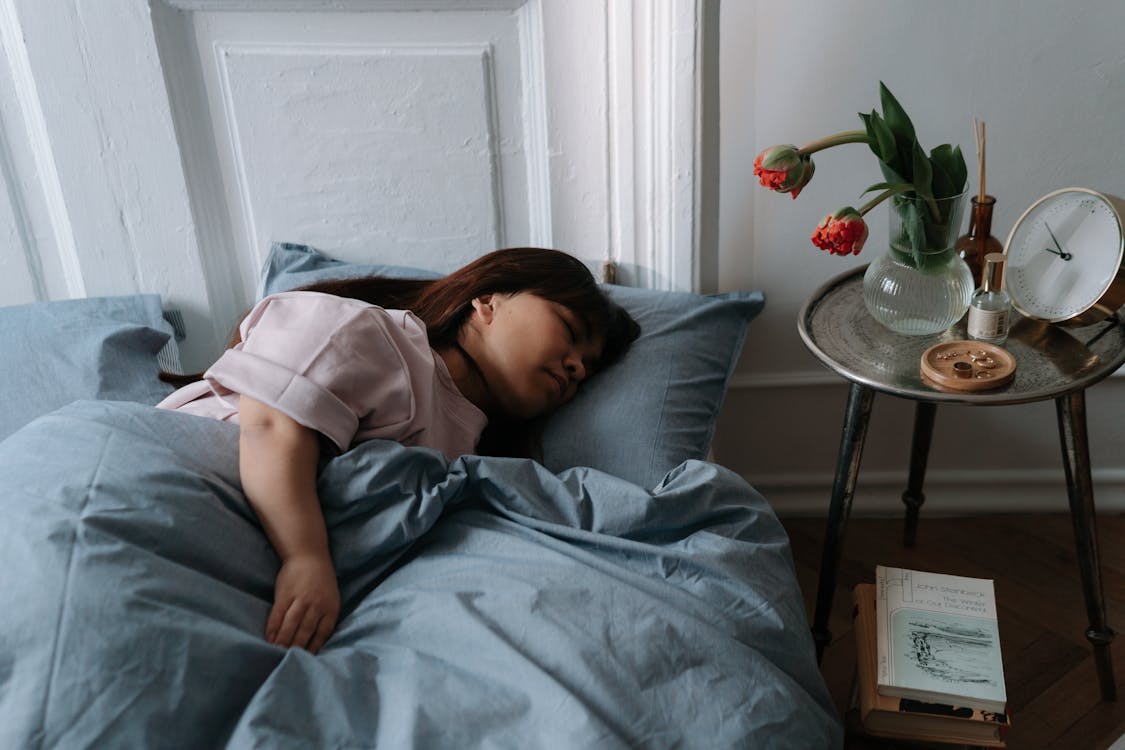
(947, 492)
(818, 377)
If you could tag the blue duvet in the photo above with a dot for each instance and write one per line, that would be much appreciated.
(486, 602)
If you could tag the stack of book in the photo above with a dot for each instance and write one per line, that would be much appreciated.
(929, 665)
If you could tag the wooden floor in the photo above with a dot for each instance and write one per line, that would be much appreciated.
(1049, 670)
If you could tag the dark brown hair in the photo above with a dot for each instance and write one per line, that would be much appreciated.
(445, 305)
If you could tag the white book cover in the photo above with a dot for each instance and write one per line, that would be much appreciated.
(938, 639)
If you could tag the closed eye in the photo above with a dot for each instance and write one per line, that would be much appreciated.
(569, 329)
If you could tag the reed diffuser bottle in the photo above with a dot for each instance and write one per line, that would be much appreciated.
(979, 242)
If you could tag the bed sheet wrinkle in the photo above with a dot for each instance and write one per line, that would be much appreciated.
(498, 648)
(539, 667)
(313, 701)
(211, 465)
(624, 562)
(111, 572)
(374, 516)
(700, 560)
(514, 607)
(82, 488)
(598, 669)
(421, 670)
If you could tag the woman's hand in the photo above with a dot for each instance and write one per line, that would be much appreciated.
(306, 603)
(277, 463)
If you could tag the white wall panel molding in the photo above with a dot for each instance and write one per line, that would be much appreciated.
(21, 272)
(380, 135)
(348, 6)
(749, 381)
(536, 128)
(219, 264)
(793, 379)
(79, 137)
(20, 278)
(477, 131)
(622, 163)
(461, 75)
(654, 60)
(25, 94)
(948, 492)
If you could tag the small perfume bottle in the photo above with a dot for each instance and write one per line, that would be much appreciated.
(990, 309)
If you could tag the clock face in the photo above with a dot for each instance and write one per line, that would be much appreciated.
(1063, 254)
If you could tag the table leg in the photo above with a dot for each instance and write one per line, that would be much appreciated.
(856, 416)
(913, 497)
(1071, 410)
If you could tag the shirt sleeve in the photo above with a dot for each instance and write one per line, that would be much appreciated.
(327, 362)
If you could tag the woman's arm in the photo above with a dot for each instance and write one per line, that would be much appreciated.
(277, 463)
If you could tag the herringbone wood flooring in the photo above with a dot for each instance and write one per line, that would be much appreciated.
(1049, 670)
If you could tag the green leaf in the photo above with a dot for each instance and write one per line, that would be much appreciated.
(890, 174)
(952, 163)
(891, 155)
(883, 139)
(922, 173)
(942, 161)
(943, 155)
(906, 159)
(896, 116)
(960, 172)
(887, 186)
(915, 230)
(942, 183)
(872, 138)
(898, 122)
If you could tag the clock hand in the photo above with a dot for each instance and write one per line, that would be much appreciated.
(1061, 253)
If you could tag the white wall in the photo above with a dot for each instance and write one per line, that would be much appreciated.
(1048, 78)
(160, 145)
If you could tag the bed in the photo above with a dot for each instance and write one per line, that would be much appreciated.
(622, 592)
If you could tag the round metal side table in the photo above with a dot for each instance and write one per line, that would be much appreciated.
(1052, 363)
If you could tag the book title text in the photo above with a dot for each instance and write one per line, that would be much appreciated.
(950, 598)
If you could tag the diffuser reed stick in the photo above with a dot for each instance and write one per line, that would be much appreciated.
(978, 131)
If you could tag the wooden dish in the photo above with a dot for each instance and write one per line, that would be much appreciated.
(942, 363)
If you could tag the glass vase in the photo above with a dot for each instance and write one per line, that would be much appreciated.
(920, 286)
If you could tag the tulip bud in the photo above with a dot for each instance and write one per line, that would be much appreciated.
(842, 232)
(784, 169)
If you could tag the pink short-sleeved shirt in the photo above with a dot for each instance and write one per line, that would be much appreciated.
(350, 370)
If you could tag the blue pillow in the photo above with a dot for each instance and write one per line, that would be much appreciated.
(65, 350)
(289, 266)
(657, 407)
(642, 417)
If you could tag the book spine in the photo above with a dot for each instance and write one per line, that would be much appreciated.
(882, 623)
(864, 663)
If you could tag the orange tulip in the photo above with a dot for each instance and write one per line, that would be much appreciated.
(842, 232)
(783, 169)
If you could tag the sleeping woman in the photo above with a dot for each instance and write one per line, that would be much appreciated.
(460, 364)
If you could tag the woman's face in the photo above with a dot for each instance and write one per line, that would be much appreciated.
(532, 352)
